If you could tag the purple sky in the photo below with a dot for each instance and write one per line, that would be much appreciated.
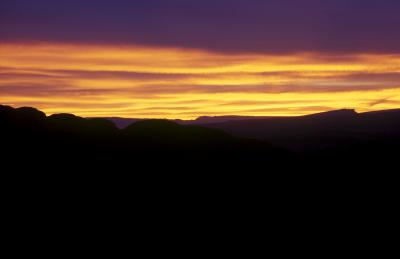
(268, 26)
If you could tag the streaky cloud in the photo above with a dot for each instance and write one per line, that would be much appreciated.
(92, 80)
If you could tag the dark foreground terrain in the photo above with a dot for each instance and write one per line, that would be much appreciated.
(339, 139)
(319, 167)
(65, 140)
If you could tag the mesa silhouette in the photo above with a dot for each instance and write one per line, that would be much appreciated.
(303, 134)
(32, 135)
(336, 137)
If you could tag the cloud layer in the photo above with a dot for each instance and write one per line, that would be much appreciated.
(267, 26)
(137, 81)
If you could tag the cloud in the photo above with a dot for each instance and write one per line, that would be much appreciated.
(267, 26)
(92, 80)
(385, 101)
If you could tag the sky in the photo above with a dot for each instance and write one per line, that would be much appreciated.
(184, 58)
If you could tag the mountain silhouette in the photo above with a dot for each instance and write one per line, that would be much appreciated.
(335, 138)
(66, 137)
(321, 131)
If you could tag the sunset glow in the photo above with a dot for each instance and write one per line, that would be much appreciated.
(162, 82)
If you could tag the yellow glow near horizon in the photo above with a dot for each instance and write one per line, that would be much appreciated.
(141, 81)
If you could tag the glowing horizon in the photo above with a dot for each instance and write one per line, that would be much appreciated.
(93, 80)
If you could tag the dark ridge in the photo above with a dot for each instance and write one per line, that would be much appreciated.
(320, 132)
(30, 113)
(176, 135)
(218, 119)
(344, 113)
(68, 137)
(204, 120)
(121, 123)
(335, 138)
(391, 111)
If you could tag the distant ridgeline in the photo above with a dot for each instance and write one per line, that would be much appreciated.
(28, 133)
(337, 137)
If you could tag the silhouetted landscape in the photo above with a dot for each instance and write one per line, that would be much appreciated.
(29, 134)
(232, 115)
(329, 139)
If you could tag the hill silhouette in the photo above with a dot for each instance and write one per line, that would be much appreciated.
(320, 132)
(336, 137)
(71, 140)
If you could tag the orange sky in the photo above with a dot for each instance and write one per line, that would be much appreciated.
(135, 81)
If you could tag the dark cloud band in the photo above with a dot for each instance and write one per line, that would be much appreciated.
(269, 26)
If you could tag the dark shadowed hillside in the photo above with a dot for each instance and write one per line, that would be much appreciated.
(28, 134)
(343, 134)
(343, 129)
(314, 141)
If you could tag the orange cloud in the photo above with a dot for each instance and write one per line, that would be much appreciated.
(137, 81)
